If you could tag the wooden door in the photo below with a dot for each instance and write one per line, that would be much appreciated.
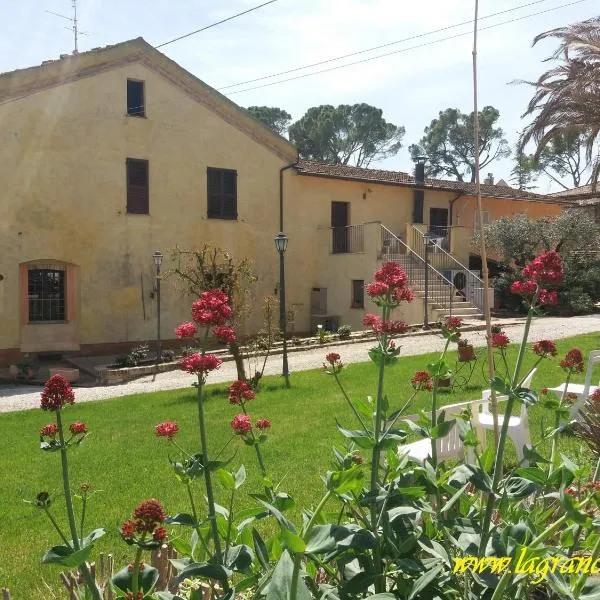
(340, 220)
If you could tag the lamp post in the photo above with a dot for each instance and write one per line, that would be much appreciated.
(281, 242)
(157, 256)
(428, 243)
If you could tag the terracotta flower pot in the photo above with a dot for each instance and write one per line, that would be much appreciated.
(466, 353)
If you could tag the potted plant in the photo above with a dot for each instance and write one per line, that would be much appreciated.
(466, 352)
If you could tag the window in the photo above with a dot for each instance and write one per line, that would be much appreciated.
(46, 294)
(358, 293)
(137, 186)
(135, 98)
(222, 193)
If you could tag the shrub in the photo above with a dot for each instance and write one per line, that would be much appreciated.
(344, 332)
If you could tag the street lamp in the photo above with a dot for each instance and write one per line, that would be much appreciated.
(429, 242)
(157, 256)
(281, 242)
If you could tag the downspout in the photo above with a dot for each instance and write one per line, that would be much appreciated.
(281, 192)
(451, 216)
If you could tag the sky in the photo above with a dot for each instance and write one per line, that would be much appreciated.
(410, 86)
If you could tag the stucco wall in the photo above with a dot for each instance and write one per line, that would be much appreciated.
(62, 165)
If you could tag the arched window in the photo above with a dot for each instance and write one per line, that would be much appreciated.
(46, 293)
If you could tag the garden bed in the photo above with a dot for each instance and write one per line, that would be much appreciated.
(114, 375)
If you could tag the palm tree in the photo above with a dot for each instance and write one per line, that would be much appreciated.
(567, 97)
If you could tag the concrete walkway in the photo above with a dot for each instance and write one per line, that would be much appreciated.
(22, 397)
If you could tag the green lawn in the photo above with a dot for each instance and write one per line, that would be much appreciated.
(124, 459)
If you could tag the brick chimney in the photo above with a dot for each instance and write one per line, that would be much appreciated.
(489, 180)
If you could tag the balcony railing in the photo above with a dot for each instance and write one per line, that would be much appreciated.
(347, 240)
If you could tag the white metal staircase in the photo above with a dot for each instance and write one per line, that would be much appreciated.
(443, 297)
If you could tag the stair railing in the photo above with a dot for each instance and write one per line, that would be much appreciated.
(440, 290)
(468, 285)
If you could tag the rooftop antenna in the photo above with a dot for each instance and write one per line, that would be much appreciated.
(74, 24)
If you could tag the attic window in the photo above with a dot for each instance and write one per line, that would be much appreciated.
(135, 98)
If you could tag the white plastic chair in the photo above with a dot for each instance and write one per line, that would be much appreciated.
(582, 391)
(518, 427)
(449, 447)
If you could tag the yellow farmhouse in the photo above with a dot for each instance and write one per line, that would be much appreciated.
(109, 155)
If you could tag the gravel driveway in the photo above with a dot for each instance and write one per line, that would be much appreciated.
(21, 397)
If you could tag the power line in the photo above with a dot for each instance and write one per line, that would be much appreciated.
(365, 50)
(445, 39)
(186, 35)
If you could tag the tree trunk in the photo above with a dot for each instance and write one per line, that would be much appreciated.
(234, 348)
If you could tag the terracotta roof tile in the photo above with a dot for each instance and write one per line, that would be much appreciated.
(314, 168)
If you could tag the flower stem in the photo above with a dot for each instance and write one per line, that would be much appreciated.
(84, 503)
(135, 574)
(378, 566)
(316, 513)
(195, 515)
(70, 512)
(212, 515)
(53, 521)
(491, 499)
(295, 576)
(344, 393)
(259, 456)
(230, 522)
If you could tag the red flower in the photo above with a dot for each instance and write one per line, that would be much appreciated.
(159, 535)
(452, 323)
(200, 364)
(56, 393)
(545, 348)
(168, 429)
(500, 340)
(241, 424)
(545, 391)
(224, 334)
(377, 288)
(546, 269)
(372, 321)
(595, 397)
(523, 288)
(78, 428)
(148, 515)
(421, 380)
(186, 330)
(332, 358)
(403, 294)
(573, 361)
(393, 327)
(240, 391)
(391, 274)
(547, 297)
(263, 424)
(128, 529)
(49, 430)
(212, 308)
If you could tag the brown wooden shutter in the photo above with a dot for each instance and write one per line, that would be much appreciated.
(137, 186)
(221, 193)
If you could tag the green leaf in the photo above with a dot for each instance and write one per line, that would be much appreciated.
(350, 480)
(292, 541)
(283, 522)
(359, 583)
(261, 549)
(283, 501)
(227, 480)
(240, 477)
(361, 438)
(452, 501)
(472, 474)
(93, 536)
(500, 385)
(239, 558)
(389, 357)
(533, 457)
(487, 458)
(181, 519)
(280, 585)
(146, 580)
(441, 430)
(438, 369)
(67, 556)
(518, 487)
(208, 570)
(167, 596)
(572, 511)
